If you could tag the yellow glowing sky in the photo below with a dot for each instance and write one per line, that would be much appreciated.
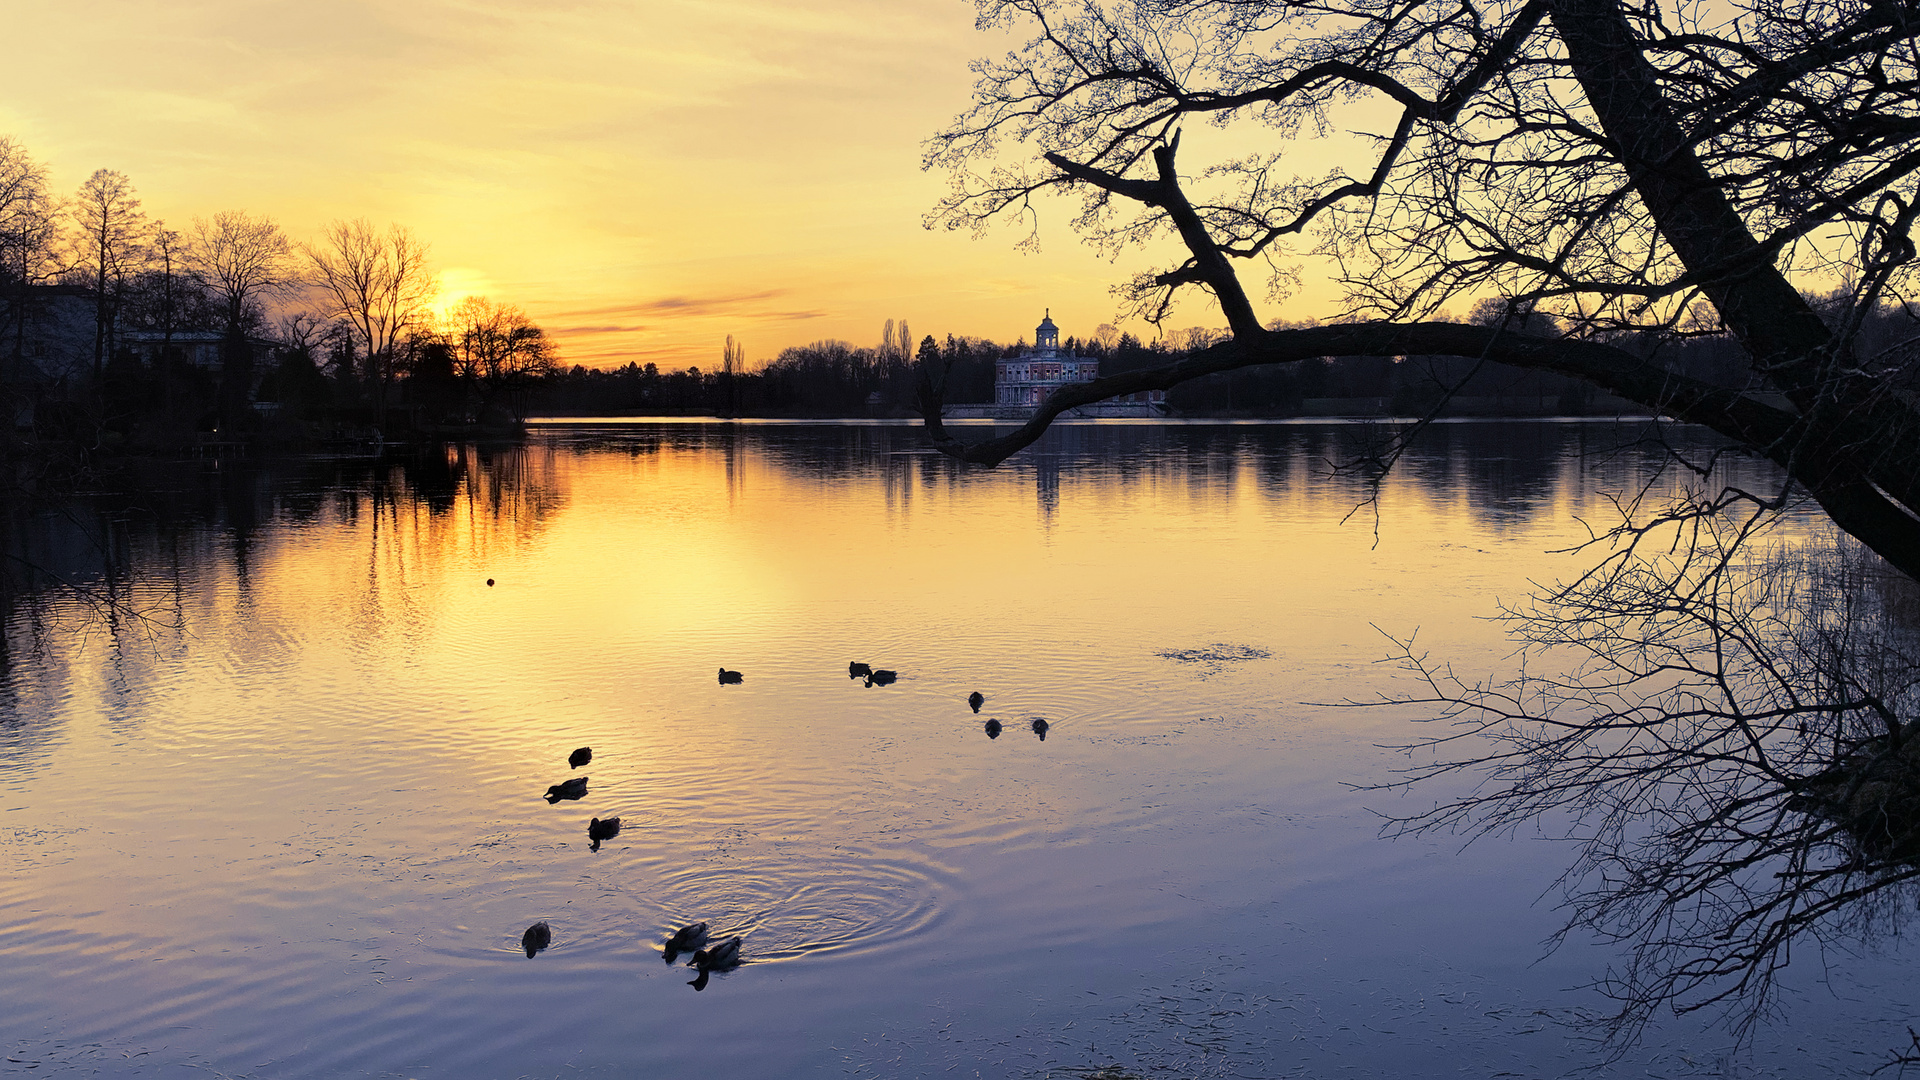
(644, 178)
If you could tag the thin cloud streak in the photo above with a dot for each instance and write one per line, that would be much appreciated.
(684, 305)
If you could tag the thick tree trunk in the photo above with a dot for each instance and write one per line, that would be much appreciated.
(1693, 214)
(1854, 445)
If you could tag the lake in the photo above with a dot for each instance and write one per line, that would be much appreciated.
(271, 781)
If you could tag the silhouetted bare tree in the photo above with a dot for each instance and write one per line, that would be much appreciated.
(28, 228)
(499, 351)
(380, 284)
(733, 363)
(1610, 164)
(113, 232)
(240, 259)
(1726, 723)
(164, 297)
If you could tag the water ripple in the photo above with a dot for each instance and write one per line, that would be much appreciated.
(788, 906)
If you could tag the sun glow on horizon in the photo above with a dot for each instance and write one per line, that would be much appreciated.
(456, 283)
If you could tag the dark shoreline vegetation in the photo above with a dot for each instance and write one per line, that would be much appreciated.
(143, 407)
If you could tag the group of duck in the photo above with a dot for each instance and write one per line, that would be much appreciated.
(855, 670)
(975, 700)
(883, 677)
(720, 956)
(712, 958)
(598, 829)
(707, 958)
(879, 677)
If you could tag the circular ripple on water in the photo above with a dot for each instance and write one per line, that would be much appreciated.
(790, 906)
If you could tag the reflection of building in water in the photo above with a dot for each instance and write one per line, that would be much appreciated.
(1046, 486)
(1027, 379)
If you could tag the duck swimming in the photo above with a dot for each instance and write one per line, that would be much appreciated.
(575, 788)
(1040, 728)
(580, 757)
(993, 729)
(537, 937)
(976, 699)
(687, 937)
(729, 678)
(720, 957)
(602, 829)
(881, 677)
(858, 670)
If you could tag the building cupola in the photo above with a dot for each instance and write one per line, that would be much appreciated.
(1046, 336)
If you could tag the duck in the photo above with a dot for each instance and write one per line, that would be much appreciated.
(881, 677)
(575, 788)
(976, 699)
(602, 829)
(685, 938)
(721, 956)
(580, 757)
(724, 955)
(993, 729)
(537, 937)
(1040, 728)
(858, 670)
(728, 678)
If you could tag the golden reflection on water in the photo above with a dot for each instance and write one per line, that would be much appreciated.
(307, 783)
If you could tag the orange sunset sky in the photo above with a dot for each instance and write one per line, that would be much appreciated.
(644, 178)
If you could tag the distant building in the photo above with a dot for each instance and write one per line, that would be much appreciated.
(47, 337)
(1027, 379)
(194, 348)
(201, 349)
(46, 334)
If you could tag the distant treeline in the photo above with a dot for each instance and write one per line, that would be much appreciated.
(824, 379)
(837, 379)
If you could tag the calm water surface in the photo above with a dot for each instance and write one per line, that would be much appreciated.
(289, 822)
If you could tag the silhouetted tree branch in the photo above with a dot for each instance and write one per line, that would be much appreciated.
(1577, 156)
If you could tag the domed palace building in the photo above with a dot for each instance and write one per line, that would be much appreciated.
(1024, 381)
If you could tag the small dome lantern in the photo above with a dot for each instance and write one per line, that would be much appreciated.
(1046, 336)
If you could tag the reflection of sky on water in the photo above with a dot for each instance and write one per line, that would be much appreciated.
(290, 824)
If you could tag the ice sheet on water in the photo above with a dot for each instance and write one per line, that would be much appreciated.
(1215, 658)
